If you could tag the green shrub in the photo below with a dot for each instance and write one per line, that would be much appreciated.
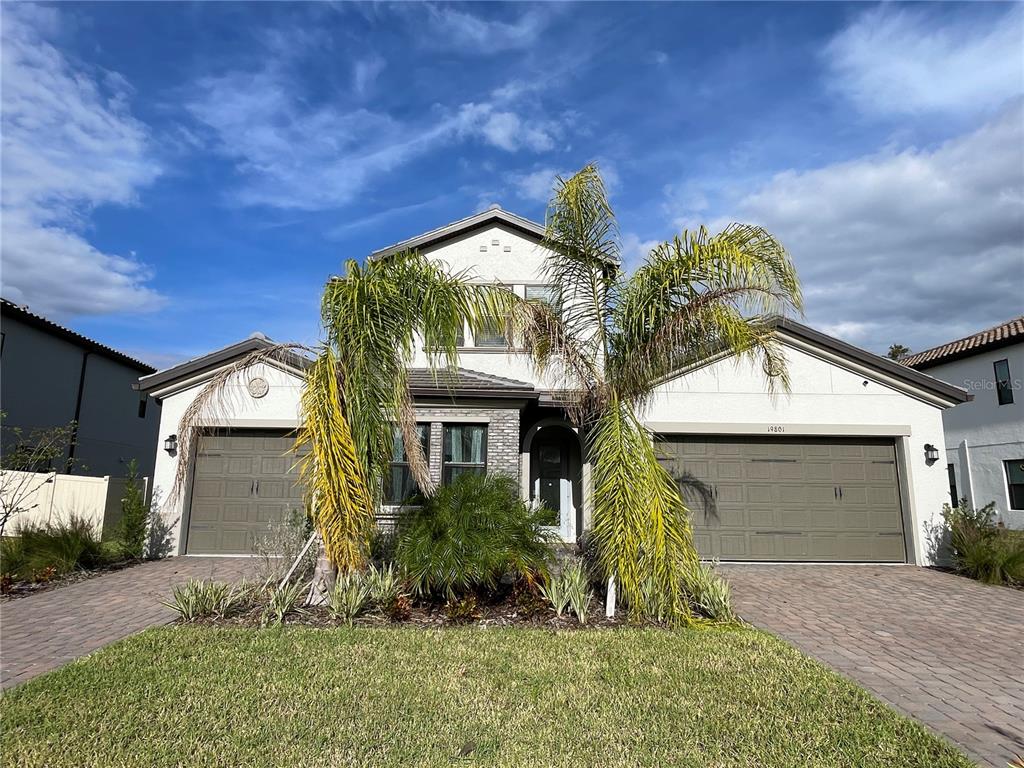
(469, 535)
(558, 588)
(462, 610)
(709, 594)
(55, 549)
(132, 530)
(208, 599)
(349, 598)
(981, 549)
(282, 601)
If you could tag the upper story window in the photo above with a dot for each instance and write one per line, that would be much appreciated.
(399, 484)
(1015, 482)
(465, 450)
(545, 293)
(1004, 387)
(491, 334)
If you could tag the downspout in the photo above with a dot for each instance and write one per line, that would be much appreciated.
(78, 413)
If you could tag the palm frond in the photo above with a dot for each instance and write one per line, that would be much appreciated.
(702, 295)
(641, 526)
(583, 268)
(332, 472)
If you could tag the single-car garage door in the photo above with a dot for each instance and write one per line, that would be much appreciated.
(814, 499)
(244, 480)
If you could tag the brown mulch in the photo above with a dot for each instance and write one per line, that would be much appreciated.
(18, 589)
(428, 616)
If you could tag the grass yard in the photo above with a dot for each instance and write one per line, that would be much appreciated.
(388, 697)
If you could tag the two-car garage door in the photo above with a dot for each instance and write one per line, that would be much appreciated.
(812, 499)
(244, 481)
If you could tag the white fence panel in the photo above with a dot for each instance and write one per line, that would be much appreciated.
(51, 498)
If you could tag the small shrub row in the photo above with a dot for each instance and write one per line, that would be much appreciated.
(39, 553)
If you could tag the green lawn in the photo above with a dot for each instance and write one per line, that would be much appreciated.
(377, 697)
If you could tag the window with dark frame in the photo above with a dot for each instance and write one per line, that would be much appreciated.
(954, 499)
(399, 484)
(464, 451)
(142, 406)
(491, 334)
(1004, 387)
(1015, 482)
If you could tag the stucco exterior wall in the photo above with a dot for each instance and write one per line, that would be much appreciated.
(731, 397)
(993, 433)
(494, 254)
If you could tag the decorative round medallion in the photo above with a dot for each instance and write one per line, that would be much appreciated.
(258, 387)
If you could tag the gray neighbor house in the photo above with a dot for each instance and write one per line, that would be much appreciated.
(51, 376)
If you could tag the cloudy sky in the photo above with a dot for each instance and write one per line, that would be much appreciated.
(178, 176)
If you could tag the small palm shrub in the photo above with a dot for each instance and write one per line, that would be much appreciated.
(282, 601)
(709, 594)
(198, 599)
(349, 597)
(576, 583)
(981, 549)
(469, 535)
(40, 552)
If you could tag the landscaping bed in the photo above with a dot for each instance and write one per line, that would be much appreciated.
(12, 589)
(297, 696)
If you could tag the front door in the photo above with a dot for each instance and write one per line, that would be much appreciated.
(552, 482)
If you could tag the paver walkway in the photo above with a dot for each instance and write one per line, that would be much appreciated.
(945, 650)
(44, 631)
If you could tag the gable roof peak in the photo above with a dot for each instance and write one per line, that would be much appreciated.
(481, 220)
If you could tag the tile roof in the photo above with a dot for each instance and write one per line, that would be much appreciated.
(1010, 332)
(463, 380)
(38, 321)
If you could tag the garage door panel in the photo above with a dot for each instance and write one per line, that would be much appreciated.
(242, 482)
(779, 498)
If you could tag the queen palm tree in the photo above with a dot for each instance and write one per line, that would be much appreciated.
(609, 338)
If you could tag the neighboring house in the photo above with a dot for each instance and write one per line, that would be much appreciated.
(985, 437)
(51, 376)
(846, 467)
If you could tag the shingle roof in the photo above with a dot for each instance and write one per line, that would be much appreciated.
(476, 221)
(9, 308)
(1010, 332)
(463, 381)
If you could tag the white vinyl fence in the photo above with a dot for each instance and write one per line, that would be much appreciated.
(48, 497)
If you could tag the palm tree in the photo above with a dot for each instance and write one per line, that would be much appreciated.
(356, 386)
(608, 339)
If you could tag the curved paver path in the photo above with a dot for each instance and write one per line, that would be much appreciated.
(44, 631)
(945, 650)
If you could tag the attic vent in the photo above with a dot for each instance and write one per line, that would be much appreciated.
(483, 248)
(494, 242)
(508, 249)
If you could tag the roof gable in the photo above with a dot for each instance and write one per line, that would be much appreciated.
(494, 215)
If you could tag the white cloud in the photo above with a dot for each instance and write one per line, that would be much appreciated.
(296, 155)
(455, 28)
(905, 60)
(913, 246)
(365, 73)
(69, 144)
(538, 185)
(635, 250)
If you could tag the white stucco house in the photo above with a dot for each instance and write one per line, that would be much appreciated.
(984, 437)
(848, 466)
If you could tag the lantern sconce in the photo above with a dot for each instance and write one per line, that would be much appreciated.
(171, 444)
(931, 454)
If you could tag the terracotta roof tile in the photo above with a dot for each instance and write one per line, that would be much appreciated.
(1000, 335)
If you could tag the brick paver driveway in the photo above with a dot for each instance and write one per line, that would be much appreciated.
(947, 651)
(44, 631)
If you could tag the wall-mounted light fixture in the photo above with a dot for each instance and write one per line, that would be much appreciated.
(931, 453)
(171, 444)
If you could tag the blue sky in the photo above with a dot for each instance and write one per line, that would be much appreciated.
(177, 176)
